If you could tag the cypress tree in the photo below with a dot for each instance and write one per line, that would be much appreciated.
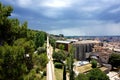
(64, 72)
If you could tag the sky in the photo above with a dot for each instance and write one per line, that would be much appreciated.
(69, 17)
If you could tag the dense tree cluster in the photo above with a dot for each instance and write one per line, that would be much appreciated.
(59, 56)
(40, 38)
(97, 74)
(5, 23)
(114, 60)
(12, 62)
(17, 46)
(94, 74)
(81, 76)
(40, 60)
(41, 50)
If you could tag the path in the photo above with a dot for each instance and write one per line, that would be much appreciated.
(50, 65)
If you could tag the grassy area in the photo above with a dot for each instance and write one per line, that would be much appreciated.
(40, 76)
(59, 74)
(44, 78)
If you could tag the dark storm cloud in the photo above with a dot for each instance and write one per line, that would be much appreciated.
(70, 17)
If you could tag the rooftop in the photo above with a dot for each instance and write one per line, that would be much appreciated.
(103, 68)
(85, 68)
(86, 41)
(65, 42)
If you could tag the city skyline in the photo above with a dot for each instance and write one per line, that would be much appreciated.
(69, 17)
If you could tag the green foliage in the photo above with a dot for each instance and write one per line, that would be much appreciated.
(43, 60)
(41, 50)
(58, 65)
(32, 76)
(59, 56)
(94, 63)
(70, 62)
(39, 39)
(97, 74)
(40, 60)
(29, 49)
(13, 63)
(5, 25)
(16, 58)
(10, 29)
(52, 42)
(31, 34)
(94, 74)
(23, 28)
(81, 76)
(114, 60)
(5, 11)
(61, 47)
(28, 45)
(64, 72)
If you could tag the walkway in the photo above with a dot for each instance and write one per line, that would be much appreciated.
(50, 65)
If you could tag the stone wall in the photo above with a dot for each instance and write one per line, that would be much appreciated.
(82, 49)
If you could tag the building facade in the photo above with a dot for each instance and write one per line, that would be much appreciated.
(84, 47)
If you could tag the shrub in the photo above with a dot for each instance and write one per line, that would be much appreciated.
(94, 63)
(59, 56)
(58, 65)
(81, 76)
(41, 50)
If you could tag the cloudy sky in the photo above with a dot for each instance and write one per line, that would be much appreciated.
(69, 17)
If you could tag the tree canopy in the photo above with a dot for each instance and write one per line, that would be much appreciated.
(97, 74)
(17, 46)
(12, 62)
(40, 60)
(40, 39)
(114, 60)
(94, 74)
(81, 76)
(59, 56)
